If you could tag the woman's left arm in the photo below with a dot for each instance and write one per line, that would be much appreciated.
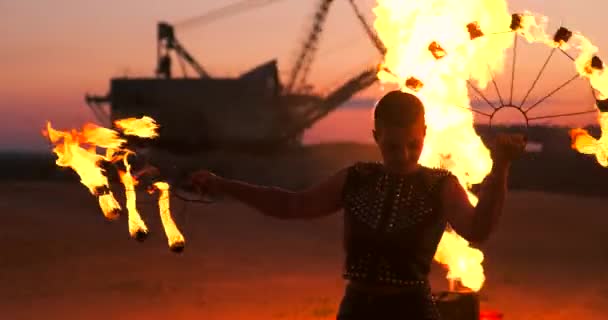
(476, 223)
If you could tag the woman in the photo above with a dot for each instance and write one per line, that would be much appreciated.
(394, 212)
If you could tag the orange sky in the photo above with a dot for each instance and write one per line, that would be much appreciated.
(56, 51)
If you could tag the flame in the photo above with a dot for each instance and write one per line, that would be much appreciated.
(441, 43)
(85, 163)
(586, 144)
(174, 236)
(137, 227)
(101, 137)
(144, 127)
(465, 265)
(533, 28)
(433, 48)
(588, 66)
(78, 150)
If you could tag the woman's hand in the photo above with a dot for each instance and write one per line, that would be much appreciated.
(148, 170)
(205, 182)
(507, 148)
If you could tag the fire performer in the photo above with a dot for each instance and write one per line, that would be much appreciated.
(394, 212)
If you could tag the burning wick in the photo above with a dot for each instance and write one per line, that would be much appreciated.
(108, 204)
(516, 22)
(595, 64)
(562, 35)
(174, 237)
(436, 50)
(474, 30)
(602, 105)
(414, 84)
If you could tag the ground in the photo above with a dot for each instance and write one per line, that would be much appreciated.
(61, 260)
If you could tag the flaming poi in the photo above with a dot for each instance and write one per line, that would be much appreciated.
(589, 66)
(78, 151)
(435, 48)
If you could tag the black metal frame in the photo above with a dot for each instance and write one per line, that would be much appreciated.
(524, 110)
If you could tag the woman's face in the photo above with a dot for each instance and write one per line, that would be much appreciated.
(401, 146)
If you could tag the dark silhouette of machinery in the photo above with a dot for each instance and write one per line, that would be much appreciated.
(254, 111)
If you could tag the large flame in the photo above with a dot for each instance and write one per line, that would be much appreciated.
(433, 48)
(440, 43)
(408, 29)
(78, 150)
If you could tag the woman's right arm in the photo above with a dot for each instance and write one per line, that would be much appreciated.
(319, 200)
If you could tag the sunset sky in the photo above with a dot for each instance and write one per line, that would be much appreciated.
(54, 52)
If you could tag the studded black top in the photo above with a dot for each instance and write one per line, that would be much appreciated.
(392, 224)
